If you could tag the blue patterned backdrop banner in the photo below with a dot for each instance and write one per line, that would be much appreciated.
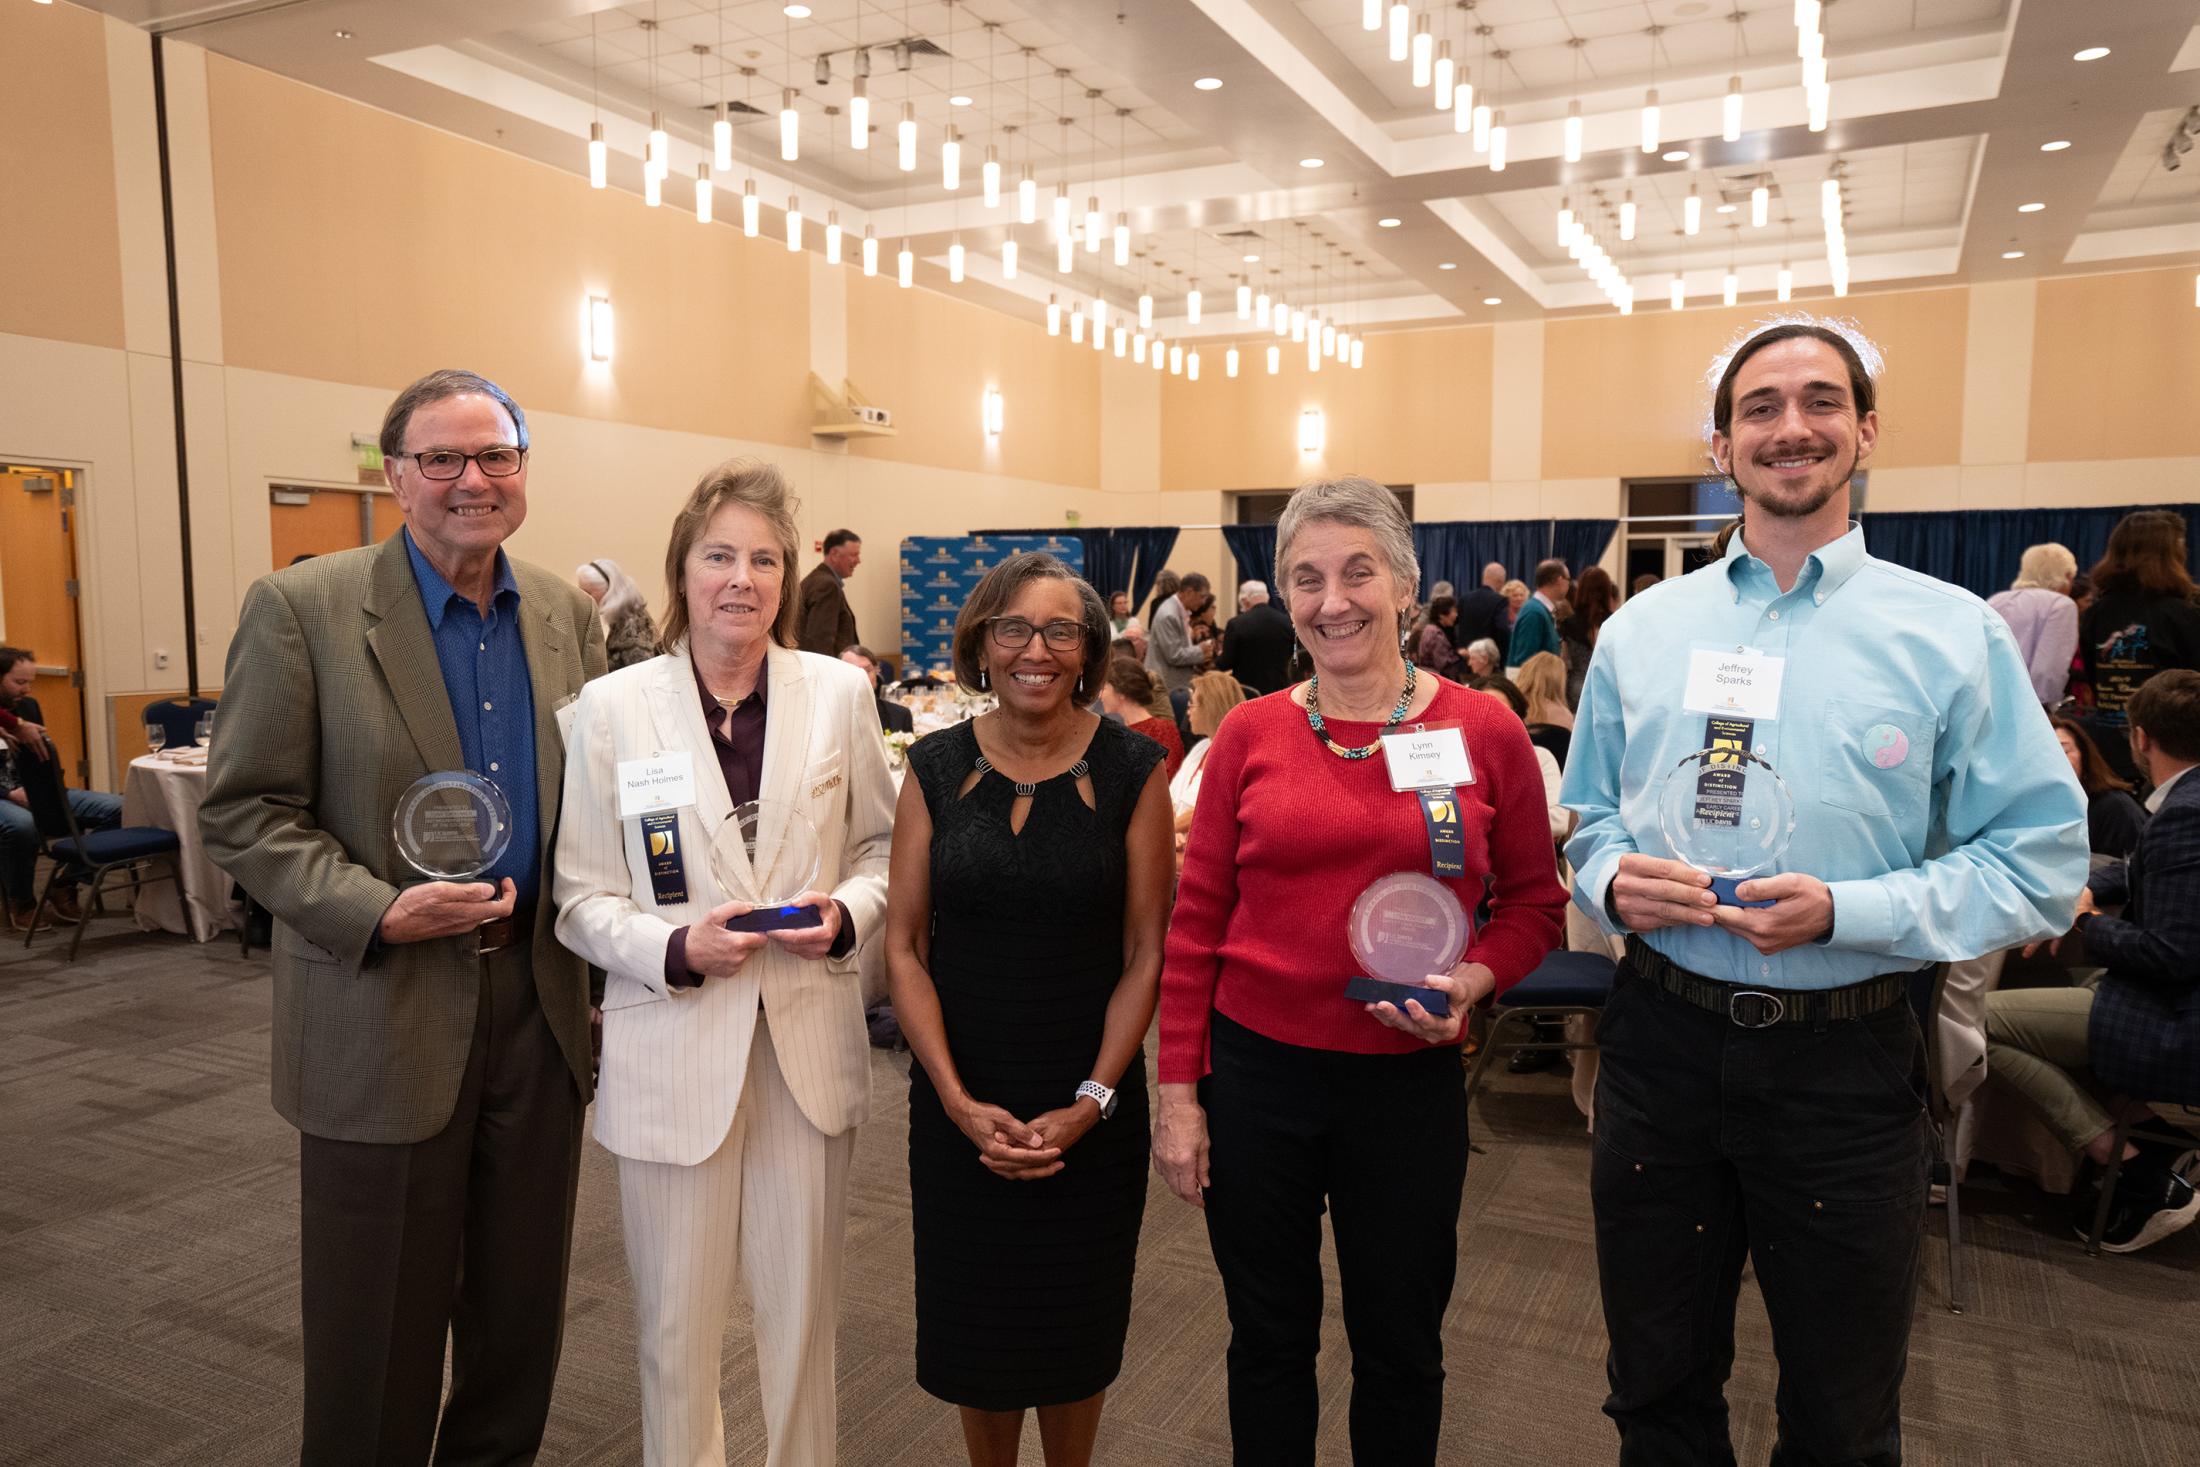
(938, 573)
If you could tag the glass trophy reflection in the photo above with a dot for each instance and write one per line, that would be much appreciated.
(1404, 928)
(1728, 813)
(452, 825)
(766, 854)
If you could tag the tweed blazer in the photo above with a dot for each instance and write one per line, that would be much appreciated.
(675, 1059)
(2145, 1029)
(332, 704)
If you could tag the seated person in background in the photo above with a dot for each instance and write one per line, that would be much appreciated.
(1482, 659)
(1542, 682)
(892, 717)
(1128, 694)
(1502, 689)
(2113, 819)
(1434, 652)
(1120, 619)
(1213, 695)
(2136, 1035)
(18, 830)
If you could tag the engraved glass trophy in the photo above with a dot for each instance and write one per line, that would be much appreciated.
(1727, 812)
(1404, 928)
(766, 854)
(452, 825)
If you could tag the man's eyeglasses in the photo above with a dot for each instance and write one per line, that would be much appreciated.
(1014, 633)
(500, 462)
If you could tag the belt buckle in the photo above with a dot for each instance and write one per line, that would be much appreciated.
(1768, 1009)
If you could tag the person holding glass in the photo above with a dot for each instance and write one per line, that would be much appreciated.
(1281, 1097)
(735, 1064)
(1029, 893)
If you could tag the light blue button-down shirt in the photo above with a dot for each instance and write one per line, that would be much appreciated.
(1930, 792)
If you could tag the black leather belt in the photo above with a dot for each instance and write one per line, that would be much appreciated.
(504, 932)
(1760, 1008)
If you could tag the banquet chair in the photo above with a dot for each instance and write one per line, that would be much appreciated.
(133, 850)
(1928, 987)
(1562, 985)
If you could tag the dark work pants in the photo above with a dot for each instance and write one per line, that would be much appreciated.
(1802, 1148)
(1384, 1139)
(466, 1233)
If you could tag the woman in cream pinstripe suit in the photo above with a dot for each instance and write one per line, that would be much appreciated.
(735, 1067)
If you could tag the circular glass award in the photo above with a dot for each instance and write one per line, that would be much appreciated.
(452, 825)
(1728, 813)
(766, 853)
(1403, 928)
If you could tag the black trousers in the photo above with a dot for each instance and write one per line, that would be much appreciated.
(1383, 1138)
(1804, 1149)
(467, 1233)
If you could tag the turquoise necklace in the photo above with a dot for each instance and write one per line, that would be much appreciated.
(1321, 731)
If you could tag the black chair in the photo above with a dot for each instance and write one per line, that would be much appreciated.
(133, 850)
(1926, 988)
(1562, 985)
(180, 717)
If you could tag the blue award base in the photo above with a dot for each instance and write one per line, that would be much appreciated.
(1434, 1001)
(1723, 887)
(776, 919)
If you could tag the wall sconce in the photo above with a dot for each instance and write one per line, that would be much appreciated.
(599, 328)
(1310, 431)
(993, 413)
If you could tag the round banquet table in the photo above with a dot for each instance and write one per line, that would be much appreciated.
(166, 793)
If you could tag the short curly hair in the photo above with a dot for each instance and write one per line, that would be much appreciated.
(991, 597)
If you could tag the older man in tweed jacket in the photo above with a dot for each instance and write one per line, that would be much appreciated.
(431, 1038)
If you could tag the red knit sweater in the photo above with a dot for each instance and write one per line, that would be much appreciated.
(1286, 837)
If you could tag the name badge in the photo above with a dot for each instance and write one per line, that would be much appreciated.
(663, 782)
(1743, 682)
(667, 863)
(1427, 757)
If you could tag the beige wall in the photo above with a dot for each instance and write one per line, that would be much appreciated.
(60, 255)
(2117, 368)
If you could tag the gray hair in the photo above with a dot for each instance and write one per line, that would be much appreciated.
(1252, 592)
(2049, 567)
(1361, 503)
(1488, 648)
(440, 387)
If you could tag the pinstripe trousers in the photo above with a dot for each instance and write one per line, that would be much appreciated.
(772, 1201)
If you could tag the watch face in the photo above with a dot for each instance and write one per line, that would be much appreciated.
(1107, 1108)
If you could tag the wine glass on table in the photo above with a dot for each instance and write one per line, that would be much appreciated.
(156, 737)
(203, 734)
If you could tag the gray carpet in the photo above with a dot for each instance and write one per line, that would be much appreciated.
(149, 1283)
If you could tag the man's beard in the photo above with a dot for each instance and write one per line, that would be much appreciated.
(1790, 509)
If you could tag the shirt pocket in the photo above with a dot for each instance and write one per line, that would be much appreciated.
(1877, 760)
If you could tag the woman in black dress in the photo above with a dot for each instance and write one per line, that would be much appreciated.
(1025, 915)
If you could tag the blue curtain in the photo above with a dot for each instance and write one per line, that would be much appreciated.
(1141, 551)
(1447, 550)
(1456, 550)
(1581, 543)
(1254, 548)
(1979, 549)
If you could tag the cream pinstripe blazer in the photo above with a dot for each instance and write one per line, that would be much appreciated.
(674, 1060)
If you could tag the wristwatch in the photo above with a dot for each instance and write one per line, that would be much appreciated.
(1101, 1095)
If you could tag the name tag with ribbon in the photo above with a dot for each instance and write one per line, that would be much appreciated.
(660, 782)
(1741, 682)
(1430, 760)
(666, 861)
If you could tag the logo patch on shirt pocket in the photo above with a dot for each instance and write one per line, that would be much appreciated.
(1873, 762)
(1886, 745)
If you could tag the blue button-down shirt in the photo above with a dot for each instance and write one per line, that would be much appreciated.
(484, 667)
(1929, 790)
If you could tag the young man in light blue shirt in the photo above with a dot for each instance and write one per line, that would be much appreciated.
(1758, 1096)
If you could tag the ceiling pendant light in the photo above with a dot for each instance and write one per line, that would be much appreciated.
(721, 139)
(1692, 211)
(1732, 116)
(1061, 210)
(1008, 259)
(859, 115)
(1176, 359)
(599, 158)
(1191, 365)
(1401, 21)
(1099, 314)
(1359, 352)
(1244, 301)
(1027, 197)
(790, 135)
(794, 222)
(1298, 325)
(703, 192)
(1065, 253)
(1122, 341)
(1191, 305)
(1679, 292)
(1786, 289)
(1282, 323)
(659, 157)
(1313, 351)
(1076, 326)
(905, 137)
(1230, 362)
(1573, 131)
(1122, 238)
(990, 176)
(1627, 216)
(1099, 335)
(1260, 311)
(832, 236)
(1565, 222)
(750, 210)
(1145, 309)
(1730, 289)
(906, 266)
(1482, 117)
(1138, 348)
(1650, 121)
(653, 188)
(1497, 142)
(955, 263)
(1329, 340)
(1760, 206)
(1447, 76)
(1424, 53)
(870, 249)
(1054, 315)
(1275, 359)
(1095, 226)
(1371, 15)
(1820, 104)
(1462, 102)
(951, 159)
(1160, 357)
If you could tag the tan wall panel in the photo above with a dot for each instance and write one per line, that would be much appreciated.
(353, 249)
(929, 359)
(1625, 395)
(1418, 411)
(2115, 363)
(60, 255)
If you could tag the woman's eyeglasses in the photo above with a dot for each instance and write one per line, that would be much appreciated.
(1014, 633)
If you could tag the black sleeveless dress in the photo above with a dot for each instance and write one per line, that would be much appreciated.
(1024, 1288)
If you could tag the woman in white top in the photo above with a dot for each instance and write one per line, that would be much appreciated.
(1213, 695)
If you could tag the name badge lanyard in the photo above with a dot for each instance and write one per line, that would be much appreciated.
(1439, 801)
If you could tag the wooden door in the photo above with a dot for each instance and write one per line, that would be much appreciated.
(39, 582)
(326, 521)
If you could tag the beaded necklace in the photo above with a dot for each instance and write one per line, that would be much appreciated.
(1321, 731)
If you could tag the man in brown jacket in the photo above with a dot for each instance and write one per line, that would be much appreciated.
(828, 625)
(431, 1039)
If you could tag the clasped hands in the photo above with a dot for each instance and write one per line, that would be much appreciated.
(1649, 892)
(718, 951)
(1022, 1151)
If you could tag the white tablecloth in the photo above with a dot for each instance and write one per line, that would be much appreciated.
(166, 793)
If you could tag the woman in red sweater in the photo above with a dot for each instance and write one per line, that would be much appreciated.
(1280, 1095)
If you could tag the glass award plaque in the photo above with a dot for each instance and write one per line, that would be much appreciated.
(1727, 812)
(766, 853)
(1403, 928)
(452, 825)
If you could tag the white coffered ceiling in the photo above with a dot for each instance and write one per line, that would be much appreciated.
(1939, 110)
